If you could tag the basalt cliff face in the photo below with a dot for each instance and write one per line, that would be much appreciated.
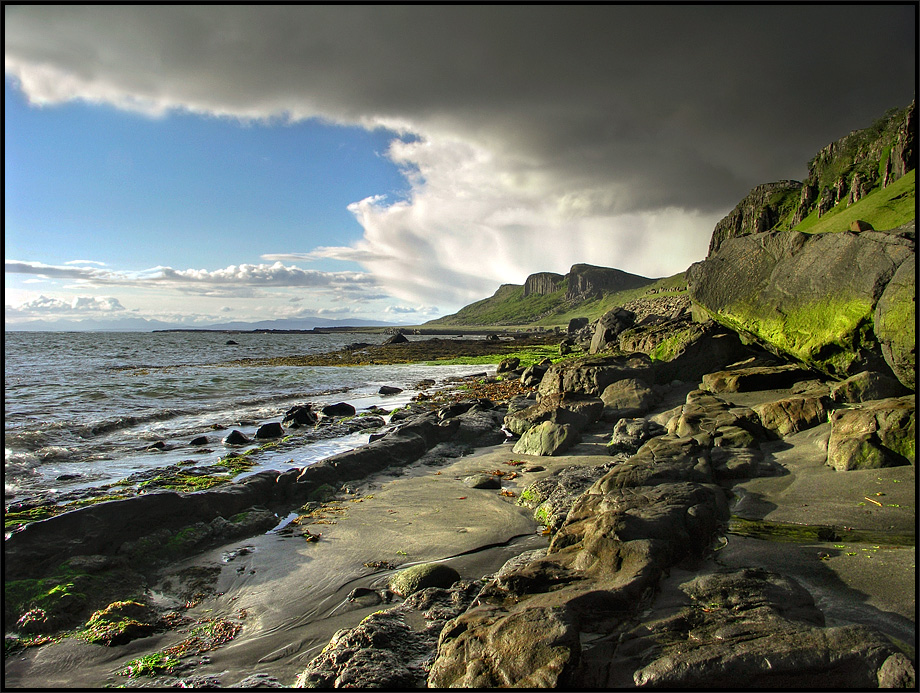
(844, 171)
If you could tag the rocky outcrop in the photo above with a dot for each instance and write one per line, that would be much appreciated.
(880, 433)
(542, 283)
(896, 322)
(814, 298)
(589, 280)
(760, 211)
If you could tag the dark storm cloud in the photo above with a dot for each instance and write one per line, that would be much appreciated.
(694, 104)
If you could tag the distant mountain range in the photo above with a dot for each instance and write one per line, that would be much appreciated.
(144, 325)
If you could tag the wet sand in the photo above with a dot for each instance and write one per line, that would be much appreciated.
(292, 595)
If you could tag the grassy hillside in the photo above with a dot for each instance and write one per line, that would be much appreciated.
(509, 306)
(884, 208)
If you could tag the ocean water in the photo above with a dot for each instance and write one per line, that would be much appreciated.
(82, 408)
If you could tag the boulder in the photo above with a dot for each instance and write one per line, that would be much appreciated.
(270, 430)
(812, 297)
(120, 623)
(608, 328)
(748, 629)
(576, 324)
(792, 414)
(896, 323)
(627, 398)
(482, 481)
(508, 364)
(199, 440)
(552, 497)
(301, 414)
(576, 410)
(339, 409)
(629, 435)
(865, 386)
(236, 438)
(398, 338)
(418, 577)
(389, 390)
(532, 375)
(590, 375)
(546, 438)
(872, 435)
(753, 378)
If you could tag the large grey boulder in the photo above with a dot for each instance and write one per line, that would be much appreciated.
(896, 323)
(609, 327)
(812, 297)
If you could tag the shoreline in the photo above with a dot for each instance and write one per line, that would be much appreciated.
(394, 517)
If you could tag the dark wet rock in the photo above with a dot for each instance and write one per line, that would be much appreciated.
(483, 481)
(384, 650)
(608, 328)
(552, 497)
(157, 446)
(872, 435)
(627, 398)
(793, 414)
(532, 375)
(389, 390)
(753, 378)
(865, 386)
(590, 375)
(397, 338)
(230, 342)
(747, 629)
(507, 365)
(339, 409)
(200, 440)
(578, 411)
(301, 414)
(418, 577)
(547, 438)
(236, 438)
(270, 430)
(629, 435)
(365, 596)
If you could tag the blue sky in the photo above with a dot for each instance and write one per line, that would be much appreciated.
(89, 181)
(203, 164)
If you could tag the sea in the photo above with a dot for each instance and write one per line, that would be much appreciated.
(81, 409)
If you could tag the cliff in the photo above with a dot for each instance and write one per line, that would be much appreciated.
(841, 174)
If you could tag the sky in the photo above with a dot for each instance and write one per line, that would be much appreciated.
(207, 164)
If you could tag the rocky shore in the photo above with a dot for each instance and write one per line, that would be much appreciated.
(701, 490)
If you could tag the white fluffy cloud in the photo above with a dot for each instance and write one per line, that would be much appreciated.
(536, 136)
(44, 306)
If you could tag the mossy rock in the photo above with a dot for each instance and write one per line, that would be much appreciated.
(322, 493)
(120, 623)
(896, 323)
(419, 577)
(811, 297)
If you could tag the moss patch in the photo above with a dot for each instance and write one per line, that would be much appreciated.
(824, 334)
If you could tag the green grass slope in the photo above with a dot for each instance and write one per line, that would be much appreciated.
(884, 208)
(508, 307)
